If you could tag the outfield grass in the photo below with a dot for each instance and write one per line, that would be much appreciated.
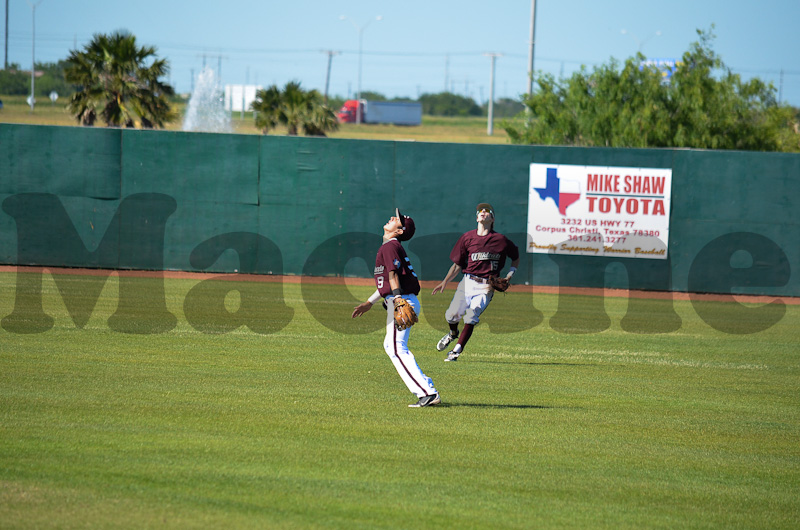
(309, 427)
(433, 128)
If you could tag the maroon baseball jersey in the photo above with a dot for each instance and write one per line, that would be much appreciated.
(392, 257)
(483, 256)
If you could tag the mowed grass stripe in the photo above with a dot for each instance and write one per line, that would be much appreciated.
(308, 427)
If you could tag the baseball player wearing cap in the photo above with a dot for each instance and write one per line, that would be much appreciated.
(479, 253)
(394, 276)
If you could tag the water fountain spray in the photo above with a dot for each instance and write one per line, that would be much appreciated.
(206, 110)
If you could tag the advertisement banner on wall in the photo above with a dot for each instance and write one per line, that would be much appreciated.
(618, 212)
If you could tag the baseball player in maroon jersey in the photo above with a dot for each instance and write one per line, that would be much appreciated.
(479, 253)
(394, 276)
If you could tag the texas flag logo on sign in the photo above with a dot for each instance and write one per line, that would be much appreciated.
(563, 192)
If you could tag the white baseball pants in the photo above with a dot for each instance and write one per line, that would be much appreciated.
(470, 300)
(396, 346)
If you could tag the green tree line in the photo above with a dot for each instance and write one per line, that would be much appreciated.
(49, 77)
(702, 105)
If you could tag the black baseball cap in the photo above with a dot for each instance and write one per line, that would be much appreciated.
(408, 226)
(485, 206)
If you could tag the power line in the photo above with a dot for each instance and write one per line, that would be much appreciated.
(23, 39)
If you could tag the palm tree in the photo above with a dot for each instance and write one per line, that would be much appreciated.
(295, 104)
(267, 107)
(117, 84)
(321, 119)
(295, 108)
(84, 103)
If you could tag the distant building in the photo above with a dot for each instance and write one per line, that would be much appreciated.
(240, 97)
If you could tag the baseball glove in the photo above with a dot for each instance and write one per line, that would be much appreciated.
(404, 314)
(499, 284)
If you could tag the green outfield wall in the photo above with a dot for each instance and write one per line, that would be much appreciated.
(132, 199)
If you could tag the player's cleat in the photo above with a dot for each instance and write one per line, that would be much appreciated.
(444, 341)
(427, 401)
(452, 356)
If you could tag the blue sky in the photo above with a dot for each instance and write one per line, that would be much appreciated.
(418, 46)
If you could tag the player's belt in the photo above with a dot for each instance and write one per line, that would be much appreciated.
(478, 278)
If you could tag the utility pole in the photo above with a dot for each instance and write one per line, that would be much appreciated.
(360, 30)
(244, 90)
(330, 53)
(219, 62)
(33, 52)
(6, 61)
(446, 72)
(490, 126)
(532, 43)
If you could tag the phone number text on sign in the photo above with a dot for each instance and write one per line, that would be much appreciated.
(599, 211)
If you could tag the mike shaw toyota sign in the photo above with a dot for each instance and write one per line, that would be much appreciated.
(618, 212)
